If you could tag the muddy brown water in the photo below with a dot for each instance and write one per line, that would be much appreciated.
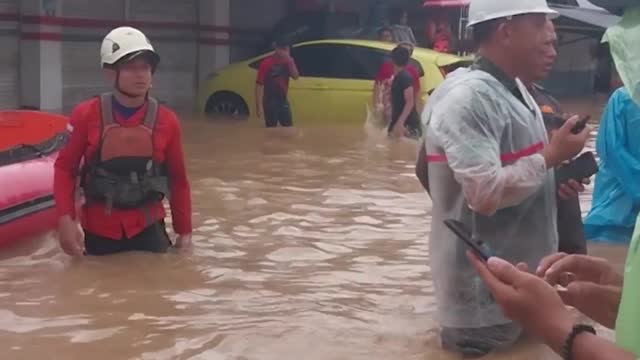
(309, 244)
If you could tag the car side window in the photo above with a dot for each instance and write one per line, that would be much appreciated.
(316, 60)
(363, 62)
(338, 61)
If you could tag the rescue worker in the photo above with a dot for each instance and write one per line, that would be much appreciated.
(490, 167)
(132, 156)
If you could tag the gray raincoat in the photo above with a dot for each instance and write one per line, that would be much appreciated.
(485, 170)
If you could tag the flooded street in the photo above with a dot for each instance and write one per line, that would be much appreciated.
(309, 244)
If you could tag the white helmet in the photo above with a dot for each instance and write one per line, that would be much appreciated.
(125, 41)
(486, 10)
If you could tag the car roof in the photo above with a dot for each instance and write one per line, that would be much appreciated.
(418, 52)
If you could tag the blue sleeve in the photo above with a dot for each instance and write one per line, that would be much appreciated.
(615, 141)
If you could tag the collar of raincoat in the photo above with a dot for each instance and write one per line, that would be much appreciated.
(486, 65)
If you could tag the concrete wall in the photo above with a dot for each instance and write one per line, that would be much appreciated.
(251, 21)
(59, 42)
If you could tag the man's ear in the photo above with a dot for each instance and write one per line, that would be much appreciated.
(504, 33)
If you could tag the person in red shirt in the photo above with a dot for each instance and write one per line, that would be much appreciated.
(441, 44)
(132, 158)
(383, 80)
(272, 86)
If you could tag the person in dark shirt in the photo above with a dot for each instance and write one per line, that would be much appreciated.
(571, 236)
(404, 117)
(272, 86)
(384, 77)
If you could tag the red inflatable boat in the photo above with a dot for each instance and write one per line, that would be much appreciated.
(29, 144)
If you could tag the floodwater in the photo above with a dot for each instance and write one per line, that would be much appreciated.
(309, 244)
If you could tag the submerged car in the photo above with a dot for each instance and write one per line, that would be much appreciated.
(335, 84)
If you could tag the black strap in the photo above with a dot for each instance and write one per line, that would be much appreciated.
(567, 350)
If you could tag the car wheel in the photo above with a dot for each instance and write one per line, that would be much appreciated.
(226, 105)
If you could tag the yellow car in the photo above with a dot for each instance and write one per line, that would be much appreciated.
(335, 84)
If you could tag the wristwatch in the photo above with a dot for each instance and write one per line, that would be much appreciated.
(567, 349)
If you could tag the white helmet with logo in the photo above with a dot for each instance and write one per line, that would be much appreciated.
(125, 42)
(486, 10)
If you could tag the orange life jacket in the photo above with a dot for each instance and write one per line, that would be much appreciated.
(123, 173)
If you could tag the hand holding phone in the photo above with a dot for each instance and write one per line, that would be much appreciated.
(582, 167)
(580, 125)
(478, 247)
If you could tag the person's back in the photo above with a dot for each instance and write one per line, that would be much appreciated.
(616, 197)
(402, 81)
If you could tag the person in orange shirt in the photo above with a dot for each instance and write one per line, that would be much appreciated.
(132, 156)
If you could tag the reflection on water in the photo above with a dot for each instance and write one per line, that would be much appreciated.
(310, 244)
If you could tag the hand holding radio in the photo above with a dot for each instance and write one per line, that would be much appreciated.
(567, 141)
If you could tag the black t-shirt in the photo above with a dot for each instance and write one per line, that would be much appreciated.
(402, 81)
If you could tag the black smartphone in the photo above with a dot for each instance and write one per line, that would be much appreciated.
(463, 233)
(582, 167)
(580, 125)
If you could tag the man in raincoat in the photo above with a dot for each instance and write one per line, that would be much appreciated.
(616, 197)
(490, 168)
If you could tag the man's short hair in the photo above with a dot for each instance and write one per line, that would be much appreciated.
(400, 56)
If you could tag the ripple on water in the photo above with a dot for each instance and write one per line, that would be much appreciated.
(291, 254)
(332, 248)
(12, 322)
(221, 254)
(88, 336)
(207, 228)
(282, 216)
(366, 220)
(367, 259)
